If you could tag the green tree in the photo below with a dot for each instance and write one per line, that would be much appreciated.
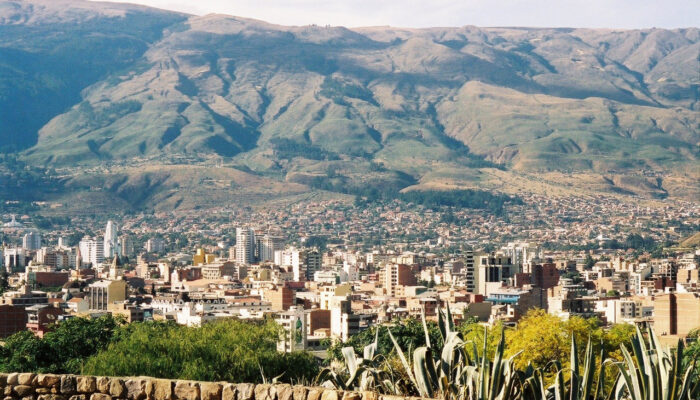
(4, 281)
(62, 350)
(408, 333)
(228, 350)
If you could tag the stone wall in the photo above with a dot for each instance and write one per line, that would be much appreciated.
(28, 386)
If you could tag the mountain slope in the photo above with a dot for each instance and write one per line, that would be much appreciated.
(370, 106)
(52, 49)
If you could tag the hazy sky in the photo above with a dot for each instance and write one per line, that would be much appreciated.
(422, 13)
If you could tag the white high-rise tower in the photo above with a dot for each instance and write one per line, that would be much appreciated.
(111, 240)
(245, 245)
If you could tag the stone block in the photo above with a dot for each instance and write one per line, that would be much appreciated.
(100, 396)
(3, 379)
(86, 384)
(116, 387)
(48, 380)
(23, 390)
(314, 394)
(245, 391)
(162, 389)
(52, 397)
(210, 390)
(103, 384)
(299, 392)
(352, 396)
(135, 389)
(47, 390)
(330, 394)
(186, 390)
(228, 391)
(264, 392)
(78, 397)
(284, 392)
(12, 379)
(370, 396)
(68, 384)
(25, 379)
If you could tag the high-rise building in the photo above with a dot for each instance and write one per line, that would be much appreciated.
(103, 293)
(14, 259)
(126, 246)
(245, 245)
(492, 270)
(56, 258)
(155, 245)
(111, 241)
(521, 253)
(469, 271)
(92, 250)
(398, 275)
(304, 263)
(31, 241)
(313, 260)
(268, 246)
(676, 314)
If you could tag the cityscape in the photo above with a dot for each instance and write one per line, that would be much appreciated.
(342, 268)
(307, 202)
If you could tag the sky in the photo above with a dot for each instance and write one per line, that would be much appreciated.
(427, 13)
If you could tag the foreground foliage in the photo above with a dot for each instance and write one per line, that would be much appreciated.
(62, 350)
(228, 350)
(455, 368)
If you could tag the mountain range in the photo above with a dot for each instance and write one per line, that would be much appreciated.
(163, 104)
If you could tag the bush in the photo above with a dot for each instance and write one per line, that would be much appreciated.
(227, 350)
(63, 350)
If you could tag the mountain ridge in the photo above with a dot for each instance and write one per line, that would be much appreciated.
(436, 104)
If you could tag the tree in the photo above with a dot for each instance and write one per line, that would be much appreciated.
(227, 350)
(4, 281)
(541, 336)
(408, 333)
(62, 350)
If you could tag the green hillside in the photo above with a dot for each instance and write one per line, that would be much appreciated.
(412, 108)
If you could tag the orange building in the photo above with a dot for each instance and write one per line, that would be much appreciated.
(676, 314)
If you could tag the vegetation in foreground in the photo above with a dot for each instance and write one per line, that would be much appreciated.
(458, 369)
(226, 350)
(543, 358)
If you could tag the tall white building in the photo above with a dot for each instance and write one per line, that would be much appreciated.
(269, 245)
(31, 241)
(245, 245)
(92, 250)
(521, 253)
(14, 259)
(111, 240)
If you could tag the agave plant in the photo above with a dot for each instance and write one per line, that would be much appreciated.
(361, 373)
(584, 383)
(449, 373)
(654, 372)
